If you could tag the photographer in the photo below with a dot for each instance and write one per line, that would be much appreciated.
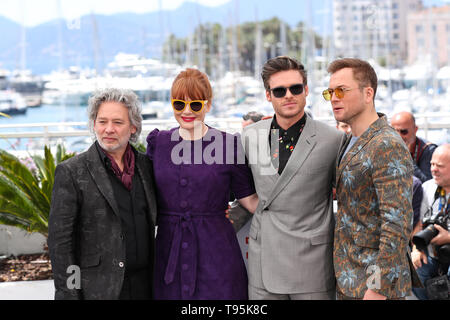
(431, 252)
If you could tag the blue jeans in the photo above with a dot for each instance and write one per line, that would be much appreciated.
(425, 272)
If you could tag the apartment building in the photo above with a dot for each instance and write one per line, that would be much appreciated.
(429, 35)
(370, 29)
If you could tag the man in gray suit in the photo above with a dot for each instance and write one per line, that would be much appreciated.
(292, 158)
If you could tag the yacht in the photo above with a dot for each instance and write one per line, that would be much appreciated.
(12, 103)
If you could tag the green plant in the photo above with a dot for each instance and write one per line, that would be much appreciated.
(25, 193)
(139, 146)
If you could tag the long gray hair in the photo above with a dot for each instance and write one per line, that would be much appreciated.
(127, 97)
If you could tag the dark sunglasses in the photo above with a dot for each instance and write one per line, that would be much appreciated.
(195, 105)
(280, 92)
(403, 132)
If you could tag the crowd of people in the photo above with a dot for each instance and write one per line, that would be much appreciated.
(126, 225)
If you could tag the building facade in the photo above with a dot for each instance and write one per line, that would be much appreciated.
(373, 29)
(429, 36)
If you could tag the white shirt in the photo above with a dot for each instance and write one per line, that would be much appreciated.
(429, 206)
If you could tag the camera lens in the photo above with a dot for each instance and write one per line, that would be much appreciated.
(444, 254)
(422, 238)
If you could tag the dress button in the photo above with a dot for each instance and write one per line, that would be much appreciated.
(184, 267)
(185, 245)
(183, 182)
(183, 204)
(121, 264)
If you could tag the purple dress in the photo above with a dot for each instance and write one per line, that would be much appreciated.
(197, 252)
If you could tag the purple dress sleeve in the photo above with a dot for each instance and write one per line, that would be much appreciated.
(242, 184)
(151, 143)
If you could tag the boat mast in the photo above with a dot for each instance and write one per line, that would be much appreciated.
(258, 46)
(23, 42)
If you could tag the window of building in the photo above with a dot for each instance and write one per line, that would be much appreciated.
(419, 28)
(420, 43)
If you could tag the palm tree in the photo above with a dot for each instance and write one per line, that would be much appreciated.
(25, 193)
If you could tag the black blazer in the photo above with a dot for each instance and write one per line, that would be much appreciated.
(85, 226)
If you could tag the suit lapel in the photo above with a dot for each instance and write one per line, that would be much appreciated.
(359, 145)
(266, 152)
(146, 173)
(339, 159)
(100, 177)
(258, 152)
(303, 148)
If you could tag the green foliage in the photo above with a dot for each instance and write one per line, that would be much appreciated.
(217, 41)
(25, 193)
(139, 146)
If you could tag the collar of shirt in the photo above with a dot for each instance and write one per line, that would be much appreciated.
(127, 174)
(287, 140)
(292, 132)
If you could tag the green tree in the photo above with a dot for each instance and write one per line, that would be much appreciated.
(209, 40)
(26, 191)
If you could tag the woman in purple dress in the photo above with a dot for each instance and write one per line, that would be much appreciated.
(196, 167)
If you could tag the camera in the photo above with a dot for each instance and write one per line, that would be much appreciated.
(422, 238)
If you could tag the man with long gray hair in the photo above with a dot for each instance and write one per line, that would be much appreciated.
(103, 210)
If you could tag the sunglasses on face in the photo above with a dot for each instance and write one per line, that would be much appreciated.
(280, 92)
(403, 132)
(195, 105)
(339, 91)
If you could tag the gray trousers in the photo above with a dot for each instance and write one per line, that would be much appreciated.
(262, 294)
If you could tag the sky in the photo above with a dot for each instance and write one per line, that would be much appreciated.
(39, 11)
(34, 12)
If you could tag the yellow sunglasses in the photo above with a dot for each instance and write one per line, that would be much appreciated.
(195, 105)
(339, 91)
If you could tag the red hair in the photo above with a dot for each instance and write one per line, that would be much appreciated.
(192, 83)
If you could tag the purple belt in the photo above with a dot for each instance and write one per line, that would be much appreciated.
(183, 225)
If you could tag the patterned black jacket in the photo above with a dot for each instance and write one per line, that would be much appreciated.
(85, 227)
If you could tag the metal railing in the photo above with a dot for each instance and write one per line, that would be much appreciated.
(60, 130)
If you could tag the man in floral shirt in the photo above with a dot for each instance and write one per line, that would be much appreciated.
(374, 191)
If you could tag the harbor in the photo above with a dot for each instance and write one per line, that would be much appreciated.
(49, 69)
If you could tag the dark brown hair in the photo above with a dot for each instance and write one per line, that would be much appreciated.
(363, 72)
(192, 83)
(281, 63)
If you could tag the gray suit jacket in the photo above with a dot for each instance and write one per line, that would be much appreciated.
(291, 236)
(85, 227)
